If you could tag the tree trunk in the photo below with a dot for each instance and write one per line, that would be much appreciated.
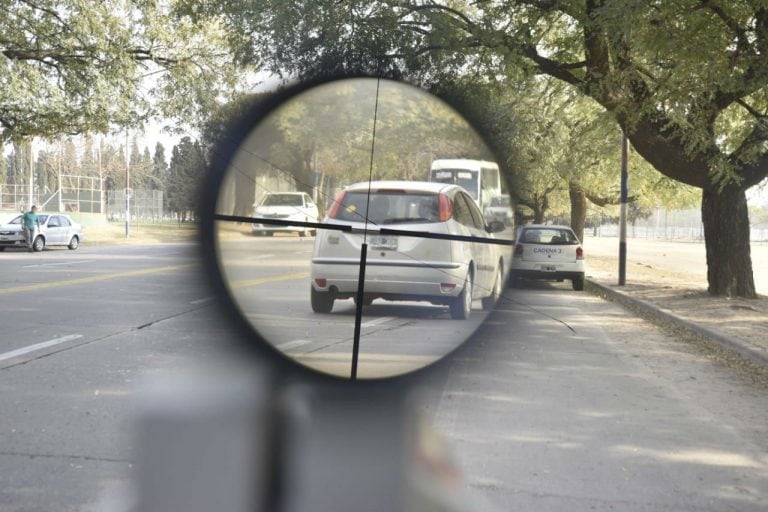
(538, 216)
(726, 236)
(245, 195)
(578, 209)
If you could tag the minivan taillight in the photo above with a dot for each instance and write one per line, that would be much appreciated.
(445, 207)
(518, 251)
(338, 201)
(579, 253)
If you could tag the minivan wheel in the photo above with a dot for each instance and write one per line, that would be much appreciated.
(74, 243)
(490, 301)
(322, 302)
(461, 307)
(578, 284)
(39, 244)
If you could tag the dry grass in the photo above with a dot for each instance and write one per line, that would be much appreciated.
(149, 233)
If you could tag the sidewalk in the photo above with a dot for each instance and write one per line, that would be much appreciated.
(673, 291)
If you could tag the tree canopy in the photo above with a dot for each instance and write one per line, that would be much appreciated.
(75, 66)
(326, 136)
(686, 80)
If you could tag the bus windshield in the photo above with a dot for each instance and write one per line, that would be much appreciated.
(466, 179)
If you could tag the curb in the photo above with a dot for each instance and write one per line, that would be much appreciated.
(654, 311)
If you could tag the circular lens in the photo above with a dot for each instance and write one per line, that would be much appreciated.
(362, 228)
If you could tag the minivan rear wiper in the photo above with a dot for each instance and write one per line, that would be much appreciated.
(403, 220)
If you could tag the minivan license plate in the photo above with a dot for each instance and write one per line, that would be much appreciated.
(548, 268)
(384, 242)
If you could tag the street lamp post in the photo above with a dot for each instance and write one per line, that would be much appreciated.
(127, 188)
(623, 210)
(31, 199)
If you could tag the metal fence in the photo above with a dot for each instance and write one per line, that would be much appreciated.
(144, 205)
(682, 225)
(16, 197)
(73, 194)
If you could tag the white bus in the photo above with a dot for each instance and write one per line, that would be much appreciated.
(478, 177)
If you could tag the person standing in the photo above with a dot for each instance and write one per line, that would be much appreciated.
(30, 223)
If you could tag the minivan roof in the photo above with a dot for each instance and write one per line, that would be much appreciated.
(413, 186)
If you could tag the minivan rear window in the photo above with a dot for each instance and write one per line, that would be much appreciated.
(390, 207)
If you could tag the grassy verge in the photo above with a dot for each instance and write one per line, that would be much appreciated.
(141, 233)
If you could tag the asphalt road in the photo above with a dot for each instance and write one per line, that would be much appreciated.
(269, 278)
(111, 316)
(560, 402)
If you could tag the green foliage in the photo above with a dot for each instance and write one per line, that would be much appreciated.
(187, 166)
(75, 66)
(547, 137)
(325, 135)
(18, 164)
(159, 168)
(686, 79)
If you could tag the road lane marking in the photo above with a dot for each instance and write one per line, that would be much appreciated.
(38, 346)
(264, 280)
(57, 264)
(93, 279)
(202, 301)
(292, 344)
(377, 321)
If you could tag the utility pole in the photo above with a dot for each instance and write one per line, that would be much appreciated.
(623, 210)
(102, 210)
(59, 182)
(31, 173)
(127, 188)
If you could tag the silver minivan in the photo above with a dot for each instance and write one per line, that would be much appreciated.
(407, 268)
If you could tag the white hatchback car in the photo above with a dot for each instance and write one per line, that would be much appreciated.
(56, 229)
(407, 268)
(548, 252)
(286, 206)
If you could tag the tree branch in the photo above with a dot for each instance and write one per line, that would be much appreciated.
(742, 39)
(595, 44)
(560, 70)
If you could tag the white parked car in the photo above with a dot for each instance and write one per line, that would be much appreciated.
(405, 268)
(550, 253)
(499, 208)
(56, 229)
(297, 206)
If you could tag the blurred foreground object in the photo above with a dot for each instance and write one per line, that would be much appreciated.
(231, 445)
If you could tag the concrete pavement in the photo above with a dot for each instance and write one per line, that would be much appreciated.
(563, 401)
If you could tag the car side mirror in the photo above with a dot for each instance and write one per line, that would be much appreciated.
(495, 226)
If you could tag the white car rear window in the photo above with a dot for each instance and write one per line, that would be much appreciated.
(549, 236)
(283, 200)
(391, 207)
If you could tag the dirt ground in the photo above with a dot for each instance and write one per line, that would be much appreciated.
(678, 285)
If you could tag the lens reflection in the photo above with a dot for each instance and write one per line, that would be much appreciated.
(354, 163)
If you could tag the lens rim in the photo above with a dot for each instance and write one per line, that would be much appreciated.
(234, 135)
